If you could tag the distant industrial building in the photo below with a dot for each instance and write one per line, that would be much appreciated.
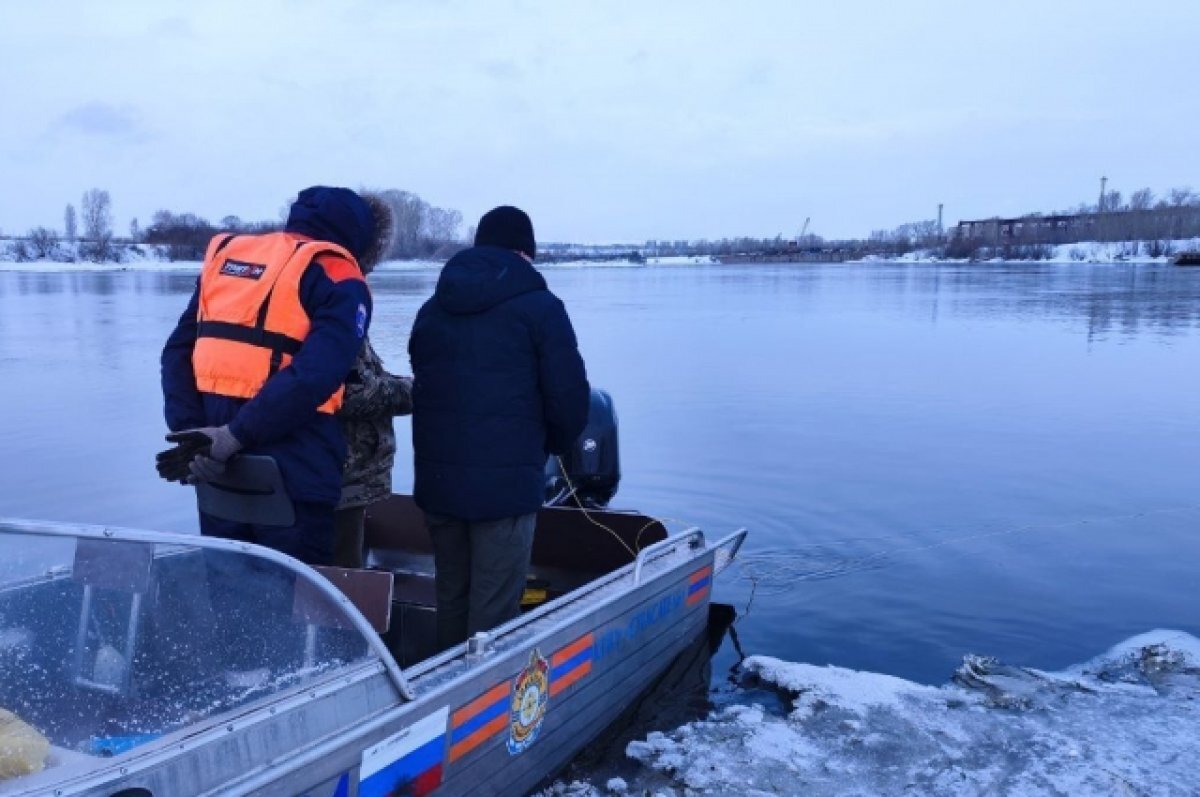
(1038, 229)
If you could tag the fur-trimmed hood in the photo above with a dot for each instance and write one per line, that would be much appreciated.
(361, 221)
(385, 231)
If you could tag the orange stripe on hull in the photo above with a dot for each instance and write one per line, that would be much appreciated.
(697, 596)
(479, 737)
(699, 574)
(486, 700)
(570, 678)
(583, 643)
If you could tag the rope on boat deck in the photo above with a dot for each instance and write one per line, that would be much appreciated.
(637, 540)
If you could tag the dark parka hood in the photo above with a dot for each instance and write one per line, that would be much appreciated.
(362, 223)
(479, 278)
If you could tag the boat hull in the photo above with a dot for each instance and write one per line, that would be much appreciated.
(498, 716)
(594, 667)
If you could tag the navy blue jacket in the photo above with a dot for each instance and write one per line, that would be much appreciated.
(498, 386)
(282, 420)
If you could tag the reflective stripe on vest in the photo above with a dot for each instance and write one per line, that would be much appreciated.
(250, 320)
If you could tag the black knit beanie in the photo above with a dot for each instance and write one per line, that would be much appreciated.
(508, 228)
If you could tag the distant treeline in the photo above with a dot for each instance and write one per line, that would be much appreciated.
(421, 230)
(729, 246)
(1149, 224)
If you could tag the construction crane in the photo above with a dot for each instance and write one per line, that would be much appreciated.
(803, 230)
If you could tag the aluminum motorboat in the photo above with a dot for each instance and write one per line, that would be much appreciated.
(164, 665)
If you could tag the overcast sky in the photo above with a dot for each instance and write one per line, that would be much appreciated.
(607, 121)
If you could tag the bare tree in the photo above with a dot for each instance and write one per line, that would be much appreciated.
(135, 232)
(69, 223)
(1142, 199)
(96, 209)
(43, 242)
(408, 213)
(441, 225)
(1180, 197)
(231, 223)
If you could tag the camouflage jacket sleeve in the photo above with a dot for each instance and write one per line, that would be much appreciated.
(372, 392)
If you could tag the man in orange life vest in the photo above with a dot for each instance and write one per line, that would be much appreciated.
(258, 359)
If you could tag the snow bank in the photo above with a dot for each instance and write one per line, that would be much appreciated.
(1118, 252)
(53, 267)
(409, 265)
(1126, 722)
(681, 260)
(69, 257)
(577, 264)
(1082, 252)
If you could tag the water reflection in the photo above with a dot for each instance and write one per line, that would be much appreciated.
(855, 416)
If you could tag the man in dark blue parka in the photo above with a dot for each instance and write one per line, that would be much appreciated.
(282, 420)
(498, 386)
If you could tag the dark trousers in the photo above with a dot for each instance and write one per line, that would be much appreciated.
(481, 568)
(309, 539)
(348, 526)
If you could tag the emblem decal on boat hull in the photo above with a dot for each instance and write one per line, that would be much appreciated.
(530, 698)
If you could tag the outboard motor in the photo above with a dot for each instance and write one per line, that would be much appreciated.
(593, 466)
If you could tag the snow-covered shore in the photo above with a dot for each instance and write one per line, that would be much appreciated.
(1126, 722)
(1082, 252)
(1085, 252)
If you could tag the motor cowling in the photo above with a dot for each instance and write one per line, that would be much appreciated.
(589, 473)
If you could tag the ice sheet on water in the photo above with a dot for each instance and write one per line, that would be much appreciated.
(1126, 722)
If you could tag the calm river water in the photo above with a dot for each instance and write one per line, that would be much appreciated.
(932, 459)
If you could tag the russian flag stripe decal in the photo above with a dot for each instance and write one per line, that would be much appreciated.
(410, 760)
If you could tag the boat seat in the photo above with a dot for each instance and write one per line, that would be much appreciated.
(369, 590)
(415, 589)
(570, 540)
(107, 569)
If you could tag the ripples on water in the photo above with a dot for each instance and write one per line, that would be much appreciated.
(931, 459)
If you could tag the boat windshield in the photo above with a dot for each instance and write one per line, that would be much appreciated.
(108, 643)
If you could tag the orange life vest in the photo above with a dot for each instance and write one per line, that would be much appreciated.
(250, 320)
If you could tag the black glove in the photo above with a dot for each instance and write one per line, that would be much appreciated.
(199, 454)
(173, 463)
